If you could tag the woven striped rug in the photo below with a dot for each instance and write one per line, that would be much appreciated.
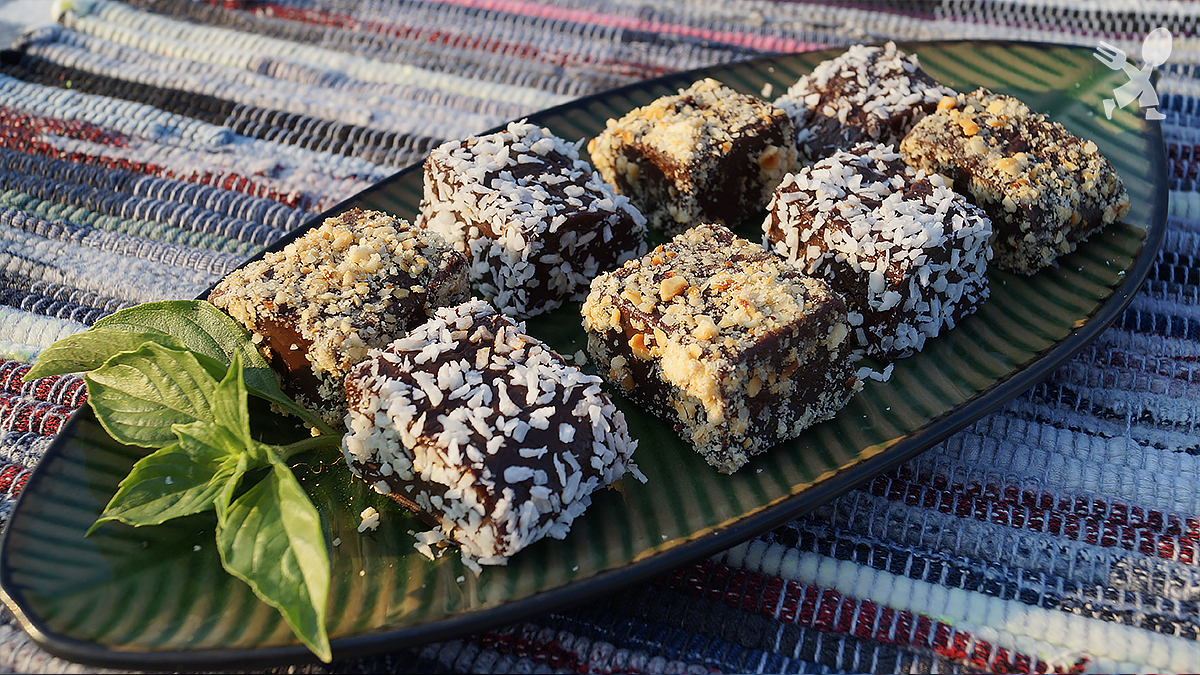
(148, 147)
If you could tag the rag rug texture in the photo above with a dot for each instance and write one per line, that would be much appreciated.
(1059, 533)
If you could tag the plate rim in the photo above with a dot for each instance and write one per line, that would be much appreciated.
(719, 538)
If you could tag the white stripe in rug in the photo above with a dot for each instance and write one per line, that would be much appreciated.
(34, 330)
(234, 48)
(1064, 460)
(1045, 633)
(18, 351)
(129, 279)
(259, 90)
(155, 125)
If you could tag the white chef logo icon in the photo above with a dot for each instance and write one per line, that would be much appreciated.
(1156, 49)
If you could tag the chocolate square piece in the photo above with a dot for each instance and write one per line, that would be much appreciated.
(358, 281)
(869, 93)
(908, 254)
(484, 431)
(534, 219)
(728, 342)
(1044, 188)
(706, 154)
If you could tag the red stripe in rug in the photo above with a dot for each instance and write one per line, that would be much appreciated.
(567, 652)
(830, 611)
(20, 135)
(65, 390)
(12, 479)
(768, 43)
(11, 118)
(1181, 368)
(20, 414)
(765, 43)
(461, 41)
(1092, 521)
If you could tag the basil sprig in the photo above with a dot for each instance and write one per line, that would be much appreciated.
(194, 325)
(176, 376)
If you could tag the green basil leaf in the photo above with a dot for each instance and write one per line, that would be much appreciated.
(201, 326)
(189, 476)
(271, 538)
(184, 478)
(225, 497)
(229, 406)
(170, 483)
(207, 330)
(229, 427)
(90, 349)
(139, 396)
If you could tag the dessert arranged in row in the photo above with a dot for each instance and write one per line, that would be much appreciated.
(883, 194)
(733, 345)
(533, 219)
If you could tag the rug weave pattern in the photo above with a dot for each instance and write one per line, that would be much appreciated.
(148, 147)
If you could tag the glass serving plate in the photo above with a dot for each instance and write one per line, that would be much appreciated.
(156, 597)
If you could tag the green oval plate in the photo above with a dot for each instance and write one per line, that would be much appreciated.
(156, 597)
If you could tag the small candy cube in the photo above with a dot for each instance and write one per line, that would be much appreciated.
(534, 219)
(483, 431)
(729, 343)
(707, 154)
(907, 253)
(1044, 188)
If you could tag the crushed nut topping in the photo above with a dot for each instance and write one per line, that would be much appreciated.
(1044, 189)
(316, 306)
(716, 334)
(706, 154)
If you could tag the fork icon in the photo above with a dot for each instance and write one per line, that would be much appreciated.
(1156, 48)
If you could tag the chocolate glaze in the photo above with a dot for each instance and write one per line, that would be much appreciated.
(803, 374)
(1043, 188)
(852, 284)
(274, 298)
(572, 193)
(367, 381)
(868, 94)
(721, 170)
(830, 135)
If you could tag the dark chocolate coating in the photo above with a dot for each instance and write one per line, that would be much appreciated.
(734, 347)
(483, 430)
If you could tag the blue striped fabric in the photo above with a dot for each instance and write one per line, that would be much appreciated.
(148, 147)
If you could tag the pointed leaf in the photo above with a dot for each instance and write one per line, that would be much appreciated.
(271, 538)
(90, 349)
(201, 326)
(170, 483)
(229, 428)
(225, 497)
(209, 331)
(138, 396)
(229, 407)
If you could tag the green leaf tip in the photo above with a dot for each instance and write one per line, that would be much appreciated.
(271, 538)
(89, 350)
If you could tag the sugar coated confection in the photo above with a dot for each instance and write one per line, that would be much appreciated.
(534, 219)
(1044, 189)
(359, 280)
(484, 431)
(706, 154)
(728, 342)
(868, 93)
(907, 253)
